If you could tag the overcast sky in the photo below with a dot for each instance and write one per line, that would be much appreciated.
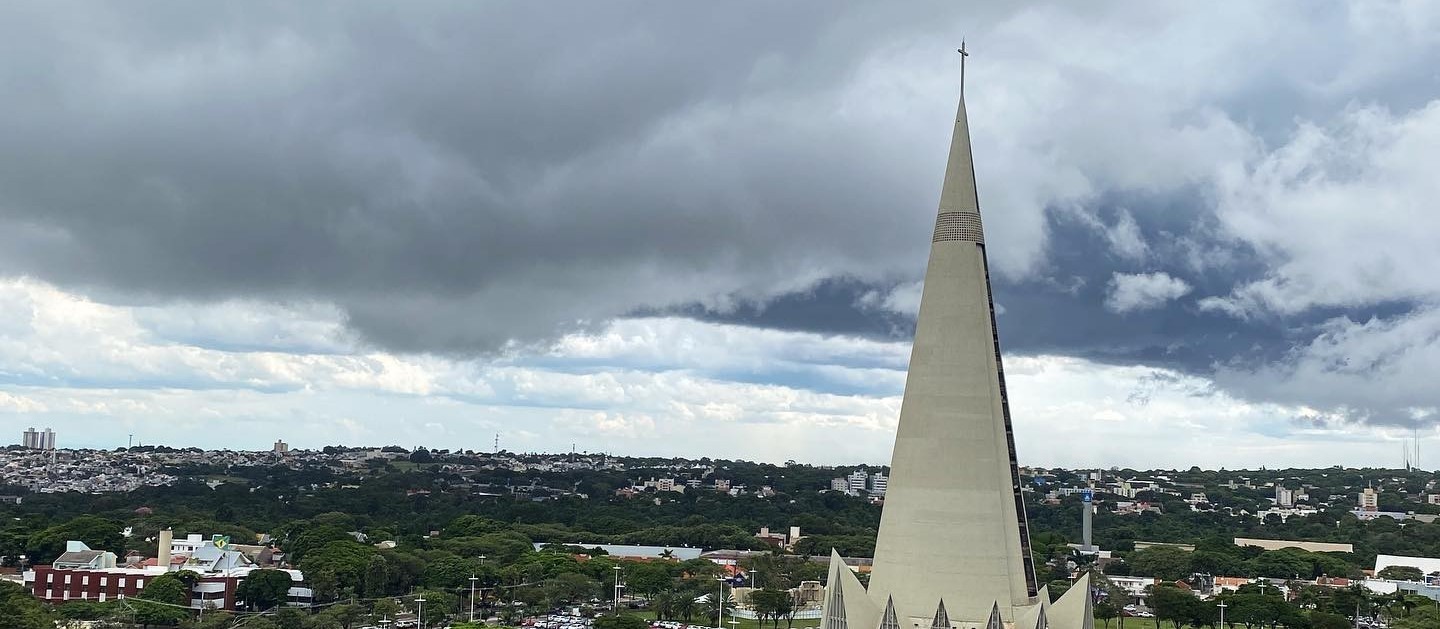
(699, 229)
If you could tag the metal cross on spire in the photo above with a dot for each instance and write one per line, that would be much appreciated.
(963, 55)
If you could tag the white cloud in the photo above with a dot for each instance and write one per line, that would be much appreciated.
(1343, 213)
(1142, 291)
(640, 386)
(902, 299)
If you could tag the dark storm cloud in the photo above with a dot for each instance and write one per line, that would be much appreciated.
(453, 176)
(459, 177)
(1061, 309)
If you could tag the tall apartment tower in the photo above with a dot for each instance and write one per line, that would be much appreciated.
(34, 440)
(1369, 499)
(953, 550)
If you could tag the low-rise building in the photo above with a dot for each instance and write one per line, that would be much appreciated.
(1277, 544)
(82, 574)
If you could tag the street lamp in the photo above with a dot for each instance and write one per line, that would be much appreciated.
(615, 607)
(720, 602)
(473, 579)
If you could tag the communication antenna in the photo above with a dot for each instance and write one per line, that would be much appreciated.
(497, 443)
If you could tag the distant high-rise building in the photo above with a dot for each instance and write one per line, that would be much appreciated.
(839, 484)
(1369, 499)
(855, 482)
(281, 447)
(38, 440)
(878, 483)
(1284, 497)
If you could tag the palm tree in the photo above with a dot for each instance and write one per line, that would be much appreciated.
(684, 605)
(663, 604)
(713, 604)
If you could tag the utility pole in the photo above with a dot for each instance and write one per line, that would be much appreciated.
(420, 610)
(1222, 607)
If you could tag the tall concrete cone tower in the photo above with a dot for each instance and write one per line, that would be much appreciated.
(953, 524)
(953, 541)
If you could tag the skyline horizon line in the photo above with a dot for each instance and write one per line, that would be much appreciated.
(469, 451)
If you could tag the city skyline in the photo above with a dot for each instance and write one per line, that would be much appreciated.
(685, 233)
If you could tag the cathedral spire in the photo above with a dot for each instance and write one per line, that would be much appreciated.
(953, 547)
(953, 525)
(958, 194)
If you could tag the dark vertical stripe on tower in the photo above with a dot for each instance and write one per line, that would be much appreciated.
(1026, 557)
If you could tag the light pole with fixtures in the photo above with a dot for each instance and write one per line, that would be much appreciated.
(720, 604)
(615, 607)
(473, 579)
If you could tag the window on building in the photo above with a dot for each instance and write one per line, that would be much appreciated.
(122, 582)
(104, 581)
(85, 580)
(67, 579)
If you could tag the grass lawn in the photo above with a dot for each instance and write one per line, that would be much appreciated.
(228, 479)
(1135, 623)
(740, 623)
(743, 623)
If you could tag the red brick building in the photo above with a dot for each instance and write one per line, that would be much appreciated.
(60, 585)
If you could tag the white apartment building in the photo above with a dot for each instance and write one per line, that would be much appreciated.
(35, 440)
(878, 483)
(857, 481)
